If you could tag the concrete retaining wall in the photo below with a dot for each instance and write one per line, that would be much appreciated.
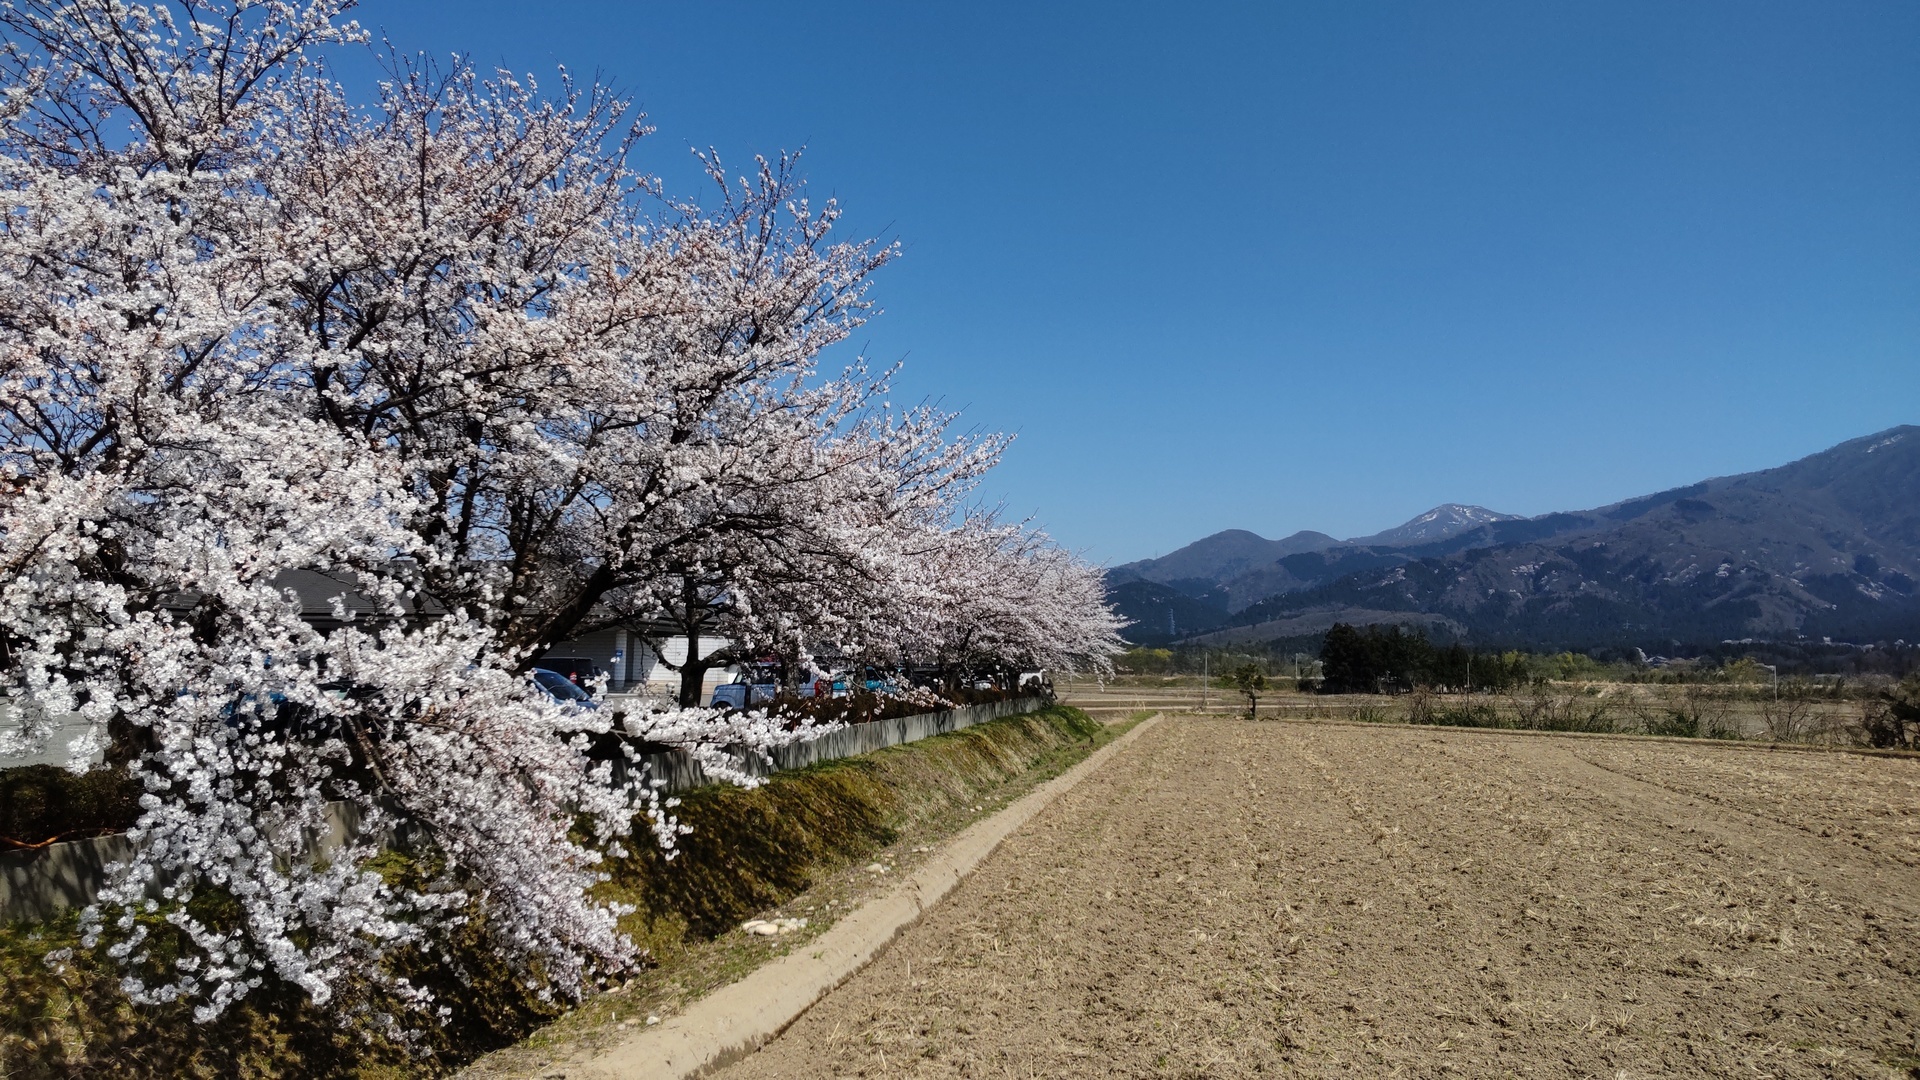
(39, 884)
(65, 730)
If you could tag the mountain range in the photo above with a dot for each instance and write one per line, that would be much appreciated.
(1827, 546)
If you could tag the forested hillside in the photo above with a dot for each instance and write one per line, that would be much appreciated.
(1827, 546)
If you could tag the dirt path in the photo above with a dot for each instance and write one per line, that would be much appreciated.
(1235, 899)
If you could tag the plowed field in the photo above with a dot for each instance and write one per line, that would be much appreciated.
(1238, 899)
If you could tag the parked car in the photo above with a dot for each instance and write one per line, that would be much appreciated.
(578, 670)
(562, 689)
(813, 683)
(742, 695)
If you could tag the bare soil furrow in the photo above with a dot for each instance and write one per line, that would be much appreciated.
(1238, 899)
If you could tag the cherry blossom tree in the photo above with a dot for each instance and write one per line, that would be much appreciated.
(992, 596)
(843, 570)
(448, 348)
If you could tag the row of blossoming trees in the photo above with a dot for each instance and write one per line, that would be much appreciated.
(450, 349)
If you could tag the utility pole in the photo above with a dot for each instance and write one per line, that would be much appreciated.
(1204, 673)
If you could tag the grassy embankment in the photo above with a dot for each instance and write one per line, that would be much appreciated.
(798, 840)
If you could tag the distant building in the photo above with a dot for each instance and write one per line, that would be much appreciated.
(634, 668)
(631, 666)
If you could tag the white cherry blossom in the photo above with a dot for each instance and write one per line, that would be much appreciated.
(448, 350)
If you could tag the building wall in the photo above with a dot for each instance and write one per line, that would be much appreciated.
(639, 671)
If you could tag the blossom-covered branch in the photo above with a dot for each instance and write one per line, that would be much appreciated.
(437, 348)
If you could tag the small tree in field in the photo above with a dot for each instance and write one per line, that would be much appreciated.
(1251, 681)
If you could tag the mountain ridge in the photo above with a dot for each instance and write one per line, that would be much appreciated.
(1219, 556)
(1828, 545)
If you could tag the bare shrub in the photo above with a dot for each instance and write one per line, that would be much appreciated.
(1426, 706)
(1420, 708)
(1544, 707)
(1892, 720)
(1788, 714)
(1693, 712)
(1469, 712)
(1371, 713)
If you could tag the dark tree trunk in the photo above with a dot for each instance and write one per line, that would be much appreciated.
(693, 670)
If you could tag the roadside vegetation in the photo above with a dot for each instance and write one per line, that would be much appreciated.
(1882, 663)
(801, 839)
(1390, 675)
(1737, 698)
(1852, 714)
(1795, 713)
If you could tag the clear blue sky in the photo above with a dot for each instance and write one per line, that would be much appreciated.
(1323, 266)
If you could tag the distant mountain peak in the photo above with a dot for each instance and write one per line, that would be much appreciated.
(1827, 546)
(1220, 556)
(1443, 522)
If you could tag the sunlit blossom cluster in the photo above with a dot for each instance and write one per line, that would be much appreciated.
(449, 349)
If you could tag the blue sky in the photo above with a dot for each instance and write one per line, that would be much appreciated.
(1323, 266)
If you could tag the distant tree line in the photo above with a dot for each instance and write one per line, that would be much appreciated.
(1291, 659)
(1391, 660)
(1395, 658)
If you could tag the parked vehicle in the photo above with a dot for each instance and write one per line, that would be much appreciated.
(578, 670)
(562, 689)
(813, 683)
(743, 695)
(761, 684)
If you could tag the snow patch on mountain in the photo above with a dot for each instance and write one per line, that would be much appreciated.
(1443, 522)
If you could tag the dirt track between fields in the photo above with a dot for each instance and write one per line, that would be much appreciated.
(1234, 899)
